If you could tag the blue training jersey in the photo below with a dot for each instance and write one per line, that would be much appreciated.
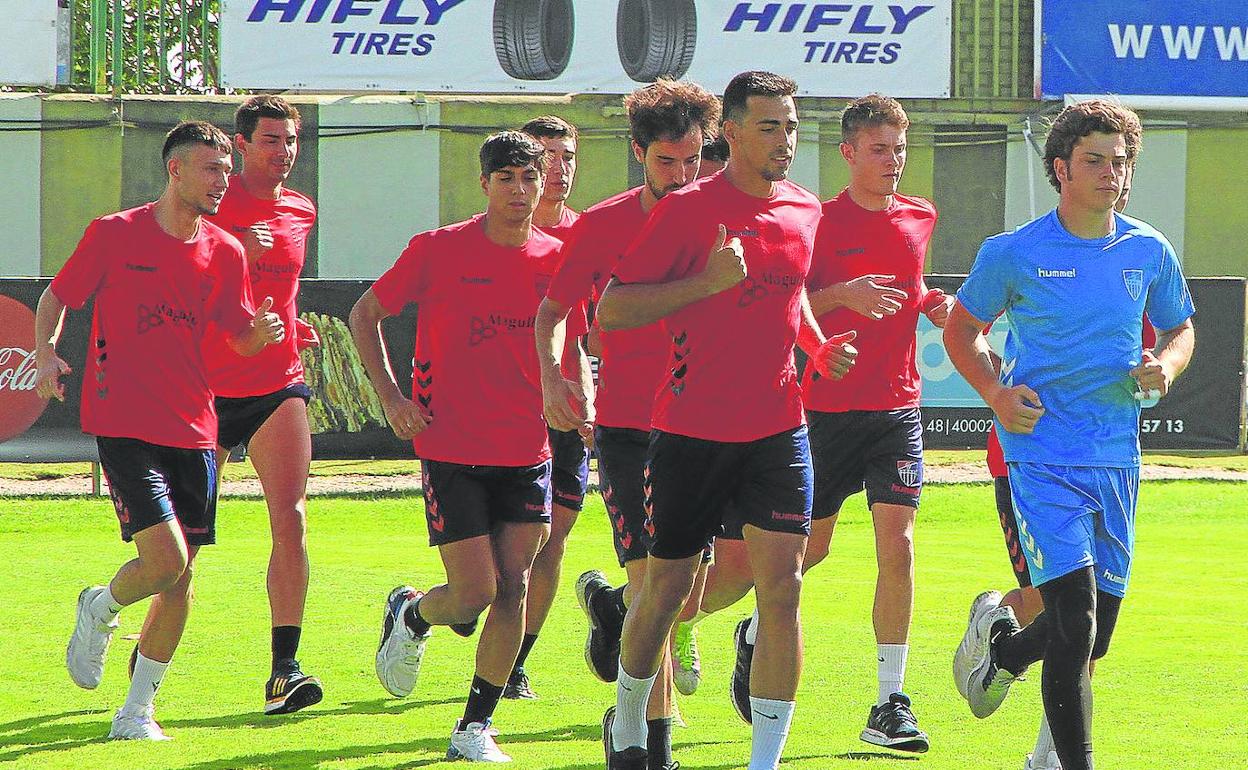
(1074, 310)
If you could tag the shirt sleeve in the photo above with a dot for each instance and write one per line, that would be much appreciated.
(83, 274)
(986, 292)
(582, 258)
(230, 304)
(407, 280)
(1169, 302)
(664, 250)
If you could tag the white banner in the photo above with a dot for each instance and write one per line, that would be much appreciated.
(28, 42)
(901, 48)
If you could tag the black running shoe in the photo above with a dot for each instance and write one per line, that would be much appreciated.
(602, 647)
(289, 690)
(517, 687)
(465, 629)
(893, 726)
(631, 758)
(740, 687)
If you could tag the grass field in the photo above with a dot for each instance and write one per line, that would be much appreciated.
(1170, 695)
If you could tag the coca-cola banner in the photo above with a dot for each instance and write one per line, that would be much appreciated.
(1204, 411)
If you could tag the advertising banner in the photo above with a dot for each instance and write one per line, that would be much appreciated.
(28, 54)
(901, 48)
(1144, 48)
(1204, 411)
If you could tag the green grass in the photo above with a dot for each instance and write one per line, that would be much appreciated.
(1166, 697)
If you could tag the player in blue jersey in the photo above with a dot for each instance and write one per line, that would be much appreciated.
(1073, 286)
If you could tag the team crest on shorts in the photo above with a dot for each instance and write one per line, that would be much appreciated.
(1134, 279)
(909, 472)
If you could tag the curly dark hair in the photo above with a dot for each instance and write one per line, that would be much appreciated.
(669, 109)
(1094, 116)
(870, 111)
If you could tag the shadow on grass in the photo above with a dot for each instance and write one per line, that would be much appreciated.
(867, 756)
(734, 765)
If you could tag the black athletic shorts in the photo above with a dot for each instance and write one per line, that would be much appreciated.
(690, 483)
(1009, 526)
(621, 466)
(466, 501)
(150, 484)
(569, 475)
(238, 419)
(881, 451)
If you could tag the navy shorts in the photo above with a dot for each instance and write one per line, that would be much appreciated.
(569, 475)
(1009, 526)
(690, 483)
(880, 451)
(150, 484)
(621, 467)
(238, 419)
(466, 501)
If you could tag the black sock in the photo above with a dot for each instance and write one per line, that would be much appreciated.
(526, 646)
(1017, 651)
(482, 700)
(659, 743)
(285, 645)
(415, 623)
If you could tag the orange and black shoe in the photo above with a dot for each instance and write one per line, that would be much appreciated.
(290, 690)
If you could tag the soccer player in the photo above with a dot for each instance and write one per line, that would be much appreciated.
(668, 123)
(569, 477)
(714, 156)
(865, 429)
(723, 263)
(1026, 600)
(475, 420)
(146, 397)
(262, 401)
(1074, 285)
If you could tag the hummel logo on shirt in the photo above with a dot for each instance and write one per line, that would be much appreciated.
(1041, 272)
(746, 233)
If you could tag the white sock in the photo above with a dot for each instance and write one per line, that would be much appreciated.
(751, 631)
(771, 720)
(104, 606)
(1044, 740)
(148, 675)
(631, 695)
(892, 669)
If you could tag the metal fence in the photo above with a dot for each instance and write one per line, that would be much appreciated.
(144, 46)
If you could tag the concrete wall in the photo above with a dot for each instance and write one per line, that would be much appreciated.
(385, 167)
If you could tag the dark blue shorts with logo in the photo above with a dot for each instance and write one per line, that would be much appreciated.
(621, 468)
(150, 484)
(569, 476)
(466, 501)
(691, 483)
(879, 451)
(238, 419)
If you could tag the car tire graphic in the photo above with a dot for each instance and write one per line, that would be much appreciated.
(533, 38)
(656, 38)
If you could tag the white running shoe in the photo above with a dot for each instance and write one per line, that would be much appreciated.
(88, 647)
(136, 726)
(686, 661)
(968, 652)
(989, 683)
(400, 651)
(475, 743)
(1050, 763)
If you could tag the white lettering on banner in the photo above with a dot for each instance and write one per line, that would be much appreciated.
(17, 369)
(899, 47)
(1182, 41)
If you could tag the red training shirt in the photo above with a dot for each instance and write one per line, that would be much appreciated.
(476, 368)
(274, 274)
(732, 376)
(634, 361)
(852, 242)
(154, 296)
(566, 220)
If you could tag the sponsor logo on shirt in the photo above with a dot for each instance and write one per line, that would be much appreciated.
(751, 291)
(1059, 273)
(1134, 281)
(161, 313)
(781, 279)
(480, 330)
(274, 268)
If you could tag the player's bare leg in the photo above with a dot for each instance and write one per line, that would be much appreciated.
(543, 585)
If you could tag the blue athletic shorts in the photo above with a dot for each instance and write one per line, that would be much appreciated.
(150, 484)
(621, 463)
(466, 501)
(1071, 517)
(881, 451)
(238, 419)
(569, 475)
(690, 483)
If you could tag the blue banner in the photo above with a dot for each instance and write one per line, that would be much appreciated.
(1145, 48)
